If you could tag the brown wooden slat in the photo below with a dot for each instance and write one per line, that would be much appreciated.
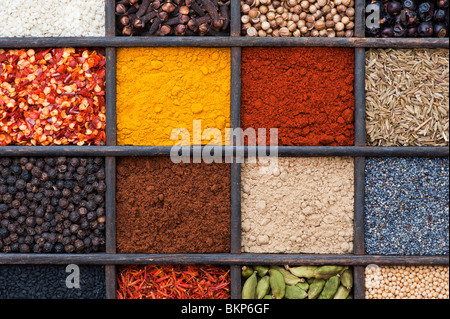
(223, 42)
(223, 259)
(283, 151)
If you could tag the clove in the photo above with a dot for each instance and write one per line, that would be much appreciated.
(121, 9)
(224, 12)
(181, 19)
(173, 17)
(194, 6)
(165, 30)
(168, 7)
(155, 25)
(212, 10)
(140, 22)
(180, 29)
(127, 30)
(143, 8)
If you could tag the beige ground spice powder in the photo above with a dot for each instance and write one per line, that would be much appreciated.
(304, 206)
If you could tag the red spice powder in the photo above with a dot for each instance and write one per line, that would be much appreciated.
(173, 282)
(305, 92)
(164, 207)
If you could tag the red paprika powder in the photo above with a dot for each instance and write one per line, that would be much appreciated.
(305, 92)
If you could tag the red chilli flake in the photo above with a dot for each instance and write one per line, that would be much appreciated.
(173, 282)
(52, 97)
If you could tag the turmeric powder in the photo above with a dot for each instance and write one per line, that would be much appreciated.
(161, 89)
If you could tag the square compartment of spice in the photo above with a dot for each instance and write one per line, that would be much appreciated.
(407, 97)
(52, 205)
(173, 18)
(52, 282)
(53, 96)
(407, 206)
(406, 282)
(164, 207)
(163, 93)
(298, 18)
(298, 205)
(52, 18)
(173, 282)
(407, 19)
(304, 92)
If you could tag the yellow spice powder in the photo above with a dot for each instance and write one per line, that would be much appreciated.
(161, 89)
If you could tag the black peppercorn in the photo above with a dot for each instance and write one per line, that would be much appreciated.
(69, 185)
(101, 226)
(4, 223)
(79, 245)
(3, 189)
(101, 188)
(52, 174)
(35, 181)
(30, 221)
(81, 170)
(5, 161)
(4, 232)
(7, 199)
(29, 166)
(66, 193)
(63, 203)
(74, 217)
(48, 247)
(91, 216)
(101, 174)
(52, 238)
(40, 242)
(11, 180)
(84, 224)
(31, 231)
(91, 179)
(68, 176)
(69, 249)
(75, 162)
(62, 168)
(66, 232)
(74, 228)
(46, 226)
(83, 211)
(58, 248)
(76, 189)
(88, 188)
(98, 161)
(45, 201)
(14, 247)
(60, 160)
(15, 203)
(16, 169)
(93, 225)
(20, 196)
(23, 210)
(59, 184)
(24, 248)
(90, 169)
(3, 208)
(36, 172)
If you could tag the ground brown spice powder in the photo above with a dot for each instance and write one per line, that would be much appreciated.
(164, 207)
